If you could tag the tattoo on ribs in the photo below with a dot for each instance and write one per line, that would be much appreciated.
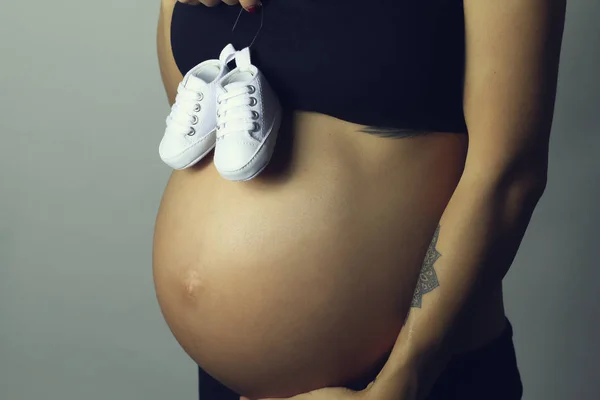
(398, 133)
(428, 279)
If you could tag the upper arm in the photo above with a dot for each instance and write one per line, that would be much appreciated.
(511, 68)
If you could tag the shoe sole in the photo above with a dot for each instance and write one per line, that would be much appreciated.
(195, 160)
(200, 157)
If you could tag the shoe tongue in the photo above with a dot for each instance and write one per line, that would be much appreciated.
(195, 83)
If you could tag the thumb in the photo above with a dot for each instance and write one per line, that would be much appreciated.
(251, 6)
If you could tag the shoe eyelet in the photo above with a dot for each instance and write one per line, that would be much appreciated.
(253, 101)
(194, 119)
(197, 107)
(255, 115)
(252, 89)
(256, 127)
(200, 96)
(192, 132)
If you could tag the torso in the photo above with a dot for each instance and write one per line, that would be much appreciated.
(301, 277)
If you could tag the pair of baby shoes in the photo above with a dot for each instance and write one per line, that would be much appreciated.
(236, 112)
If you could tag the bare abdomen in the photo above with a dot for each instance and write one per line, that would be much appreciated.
(302, 277)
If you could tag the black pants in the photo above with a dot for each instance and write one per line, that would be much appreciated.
(488, 373)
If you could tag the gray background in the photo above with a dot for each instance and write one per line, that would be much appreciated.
(82, 109)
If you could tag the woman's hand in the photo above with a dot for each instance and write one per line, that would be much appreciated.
(249, 5)
(387, 386)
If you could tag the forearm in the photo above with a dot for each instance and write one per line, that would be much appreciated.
(511, 68)
(476, 242)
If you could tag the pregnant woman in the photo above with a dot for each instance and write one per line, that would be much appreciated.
(412, 152)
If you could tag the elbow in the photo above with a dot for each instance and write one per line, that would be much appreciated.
(531, 179)
(519, 195)
(522, 188)
(525, 176)
(514, 189)
(527, 172)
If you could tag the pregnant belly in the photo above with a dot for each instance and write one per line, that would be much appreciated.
(278, 286)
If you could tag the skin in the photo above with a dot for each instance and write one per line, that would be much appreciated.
(498, 85)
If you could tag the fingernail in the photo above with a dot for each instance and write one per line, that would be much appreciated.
(253, 9)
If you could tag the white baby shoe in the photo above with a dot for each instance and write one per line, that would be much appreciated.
(248, 120)
(191, 124)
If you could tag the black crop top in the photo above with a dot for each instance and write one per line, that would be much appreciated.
(382, 63)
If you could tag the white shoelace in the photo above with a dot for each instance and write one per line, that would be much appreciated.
(183, 112)
(234, 113)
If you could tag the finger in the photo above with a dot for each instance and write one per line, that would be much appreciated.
(298, 397)
(323, 394)
(232, 3)
(210, 3)
(251, 6)
(290, 398)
